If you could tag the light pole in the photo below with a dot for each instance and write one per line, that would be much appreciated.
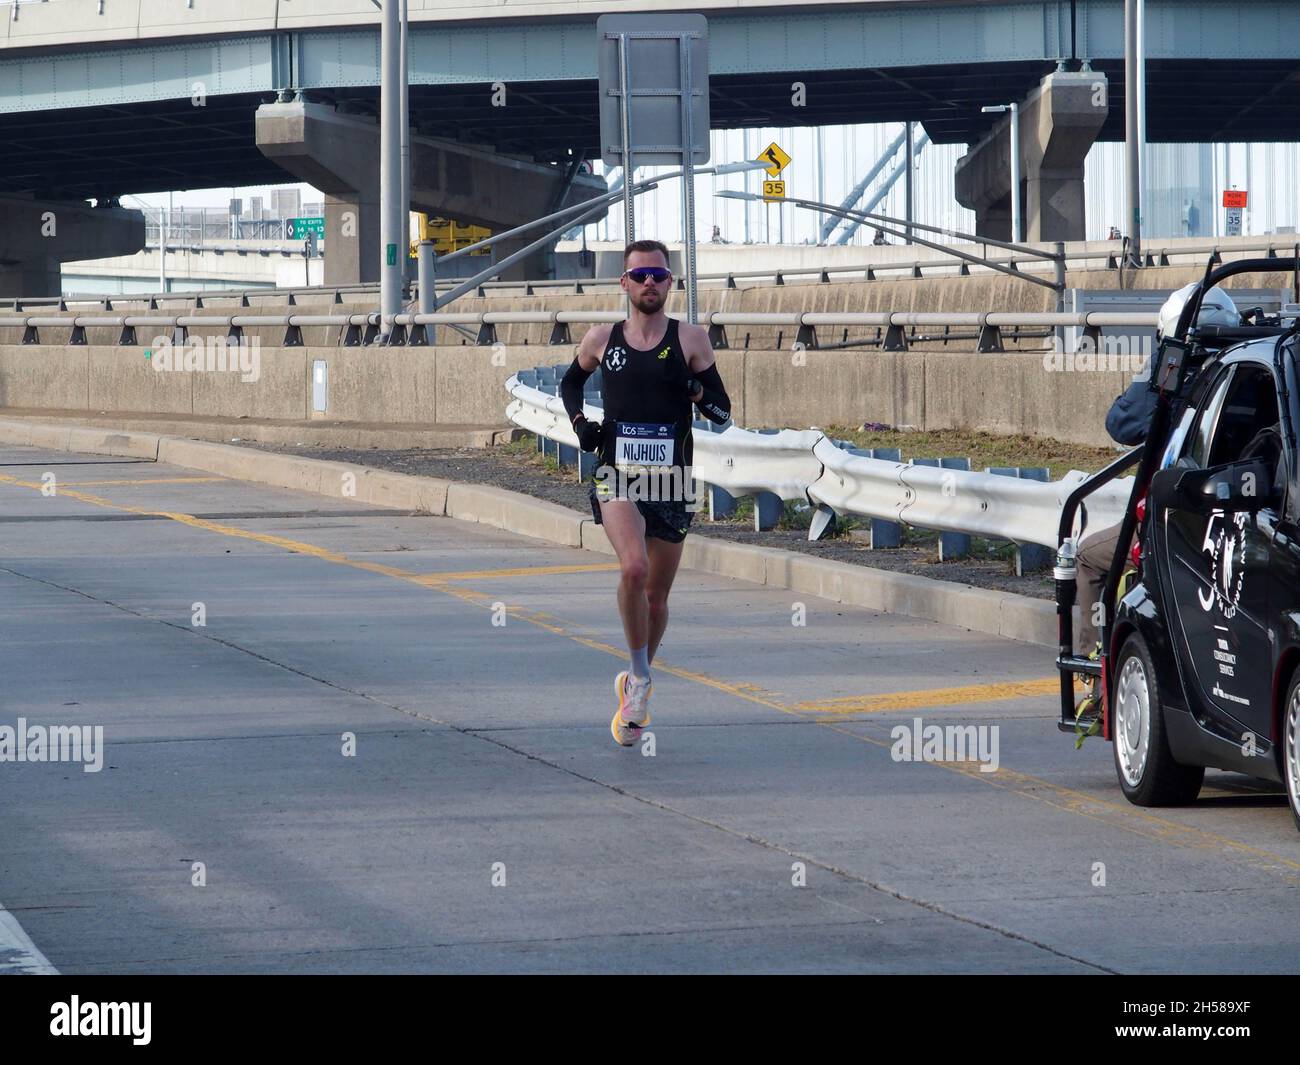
(1017, 233)
(162, 242)
(393, 244)
(1135, 108)
(909, 188)
(404, 251)
(585, 212)
(1057, 258)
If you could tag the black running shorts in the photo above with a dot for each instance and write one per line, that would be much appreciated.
(664, 520)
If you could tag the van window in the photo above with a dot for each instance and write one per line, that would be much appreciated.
(1250, 407)
(1198, 441)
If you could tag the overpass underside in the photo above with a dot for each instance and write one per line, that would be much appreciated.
(89, 115)
(107, 150)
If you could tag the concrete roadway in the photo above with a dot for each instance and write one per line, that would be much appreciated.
(481, 743)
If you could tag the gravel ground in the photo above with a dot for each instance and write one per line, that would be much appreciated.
(519, 468)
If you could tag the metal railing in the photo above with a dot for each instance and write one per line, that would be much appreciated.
(913, 268)
(229, 249)
(839, 479)
(359, 329)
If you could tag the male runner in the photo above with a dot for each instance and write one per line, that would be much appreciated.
(652, 369)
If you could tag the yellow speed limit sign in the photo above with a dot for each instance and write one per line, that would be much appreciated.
(773, 190)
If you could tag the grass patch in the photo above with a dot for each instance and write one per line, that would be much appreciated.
(525, 445)
(986, 449)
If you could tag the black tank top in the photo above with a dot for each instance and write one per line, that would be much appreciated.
(645, 404)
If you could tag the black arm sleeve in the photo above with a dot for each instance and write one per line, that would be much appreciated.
(714, 404)
(571, 389)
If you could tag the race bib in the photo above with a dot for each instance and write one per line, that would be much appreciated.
(645, 444)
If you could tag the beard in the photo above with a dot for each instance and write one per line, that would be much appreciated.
(648, 302)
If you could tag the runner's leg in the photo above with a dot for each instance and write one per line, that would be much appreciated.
(664, 559)
(626, 531)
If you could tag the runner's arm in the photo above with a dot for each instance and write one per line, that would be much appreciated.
(582, 367)
(710, 395)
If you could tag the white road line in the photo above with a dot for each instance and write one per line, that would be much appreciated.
(18, 954)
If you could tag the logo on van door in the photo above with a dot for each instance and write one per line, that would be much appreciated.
(1225, 543)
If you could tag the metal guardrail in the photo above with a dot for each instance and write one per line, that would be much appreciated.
(838, 479)
(287, 250)
(915, 268)
(361, 329)
(195, 300)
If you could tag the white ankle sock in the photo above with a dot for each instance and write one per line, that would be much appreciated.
(641, 662)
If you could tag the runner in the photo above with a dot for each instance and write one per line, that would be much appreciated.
(652, 369)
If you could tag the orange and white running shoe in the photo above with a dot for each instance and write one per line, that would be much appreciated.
(633, 713)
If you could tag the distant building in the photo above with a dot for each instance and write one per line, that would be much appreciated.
(286, 203)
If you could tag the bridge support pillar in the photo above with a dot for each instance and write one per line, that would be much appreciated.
(1059, 123)
(339, 154)
(38, 236)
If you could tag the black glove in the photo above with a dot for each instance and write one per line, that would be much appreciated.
(589, 433)
(690, 387)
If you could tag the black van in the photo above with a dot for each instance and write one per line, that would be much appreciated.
(1201, 615)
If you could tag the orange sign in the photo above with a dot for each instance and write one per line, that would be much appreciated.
(1235, 197)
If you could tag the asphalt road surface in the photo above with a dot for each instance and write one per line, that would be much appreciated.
(481, 818)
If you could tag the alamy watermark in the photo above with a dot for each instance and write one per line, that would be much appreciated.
(120, 1019)
(650, 484)
(1129, 354)
(212, 354)
(919, 742)
(53, 743)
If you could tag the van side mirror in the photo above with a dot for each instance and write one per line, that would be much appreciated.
(1245, 485)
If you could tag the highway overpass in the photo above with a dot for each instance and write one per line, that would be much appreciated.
(149, 96)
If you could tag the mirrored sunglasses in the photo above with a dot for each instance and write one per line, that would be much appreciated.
(642, 274)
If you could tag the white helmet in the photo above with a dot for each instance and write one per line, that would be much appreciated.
(1217, 308)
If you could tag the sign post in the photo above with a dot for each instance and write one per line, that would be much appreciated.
(1235, 202)
(654, 108)
(309, 252)
(777, 159)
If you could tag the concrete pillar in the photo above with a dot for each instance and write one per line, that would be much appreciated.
(339, 154)
(1059, 123)
(995, 220)
(38, 236)
(351, 226)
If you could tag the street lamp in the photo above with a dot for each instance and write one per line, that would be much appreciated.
(584, 213)
(1057, 258)
(1016, 233)
(394, 213)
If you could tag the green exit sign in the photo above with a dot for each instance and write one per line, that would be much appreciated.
(298, 228)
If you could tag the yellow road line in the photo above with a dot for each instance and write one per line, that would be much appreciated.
(1122, 816)
(519, 571)
(149, 480)
(916, 700)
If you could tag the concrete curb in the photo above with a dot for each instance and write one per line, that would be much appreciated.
(1005, 614)
(323, 434)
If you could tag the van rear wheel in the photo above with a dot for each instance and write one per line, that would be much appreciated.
(1291, 747)
(1148, 774)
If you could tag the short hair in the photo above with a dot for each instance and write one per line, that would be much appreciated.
(646, 246)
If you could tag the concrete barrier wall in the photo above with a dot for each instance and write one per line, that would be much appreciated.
(954, 294)
(1011, 392)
